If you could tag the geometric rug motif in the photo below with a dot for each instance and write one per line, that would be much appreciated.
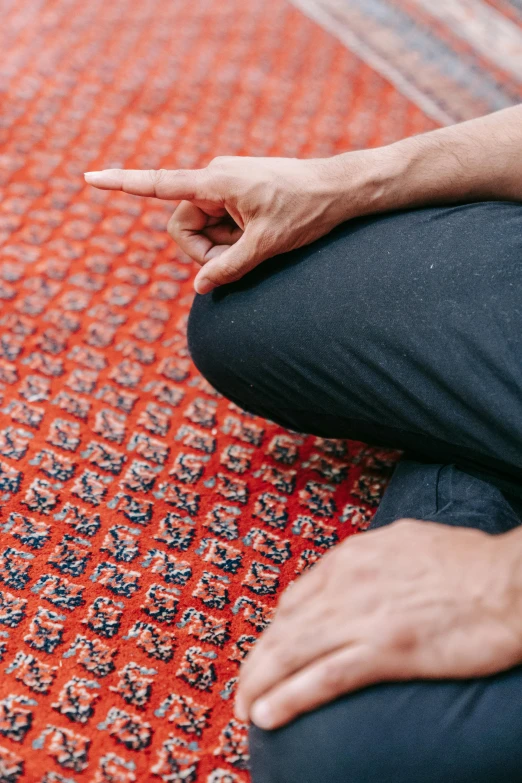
(147, 525)
(456, 59)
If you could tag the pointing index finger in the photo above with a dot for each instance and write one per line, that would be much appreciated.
(176, 184)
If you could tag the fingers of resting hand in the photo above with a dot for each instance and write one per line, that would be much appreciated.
(342, 672)
(175, 184)
(186, 227)
(289, 644)
(200, 235)
(225, 233)
(230, 265)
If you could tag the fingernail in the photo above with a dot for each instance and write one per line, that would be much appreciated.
(261, 715)
(203, 285)
(91, 177)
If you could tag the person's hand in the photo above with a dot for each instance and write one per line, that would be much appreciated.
(237, 211)
(415, 600)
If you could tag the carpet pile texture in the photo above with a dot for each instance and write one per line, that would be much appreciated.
(147, 526)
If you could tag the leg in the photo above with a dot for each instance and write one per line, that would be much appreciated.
(415, 732)
(400, 330)
(403, 331)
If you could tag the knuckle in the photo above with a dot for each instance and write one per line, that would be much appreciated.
(228, 273)
(273, 650)
(245, 672)
(401, 639)
(174, 226)
(220, 172)
(365, 573)
(324, 575)
(332, 560)
(406, 524)
(157, 177)
(220, 161)
(173, 232)
(267, 242)
(286, 601)
(285, 657)
(215, 168)
(332, 676)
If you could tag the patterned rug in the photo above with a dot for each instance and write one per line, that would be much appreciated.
(148, 526)
(456, 59)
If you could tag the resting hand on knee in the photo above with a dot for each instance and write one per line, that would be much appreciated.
(415, 600)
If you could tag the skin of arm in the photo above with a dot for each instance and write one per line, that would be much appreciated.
(424, 600)
(237, 212)
(477, 160)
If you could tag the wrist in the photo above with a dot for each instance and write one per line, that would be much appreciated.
(364, 182)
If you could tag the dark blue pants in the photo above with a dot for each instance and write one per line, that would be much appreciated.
(402, 330)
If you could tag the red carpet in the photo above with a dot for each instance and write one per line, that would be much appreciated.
(147, 525)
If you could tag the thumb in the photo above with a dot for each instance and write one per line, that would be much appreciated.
(230, 265)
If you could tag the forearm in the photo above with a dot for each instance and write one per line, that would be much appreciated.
(478, 160)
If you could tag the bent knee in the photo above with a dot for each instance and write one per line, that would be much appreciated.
(208, 341)
(217, 343)
(228, 351)
(235, 344)
(417, 732)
